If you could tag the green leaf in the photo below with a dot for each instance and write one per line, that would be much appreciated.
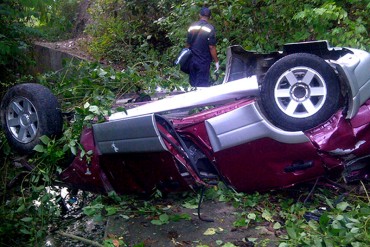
(277, 226)
(283, 245)
(89, 211)
(178, 217)
(39, 148)
(164, 217)
(94, 109)
(291, 232)
(228, 244)
(324, 220)
(356, 244)
(251, 216)
(126, 217)
(313, 225)
(21, 208)
(98, 218)
(210, 231)
(330, 204)
(336, 224)
(339, 217)
(190, 205)
(240, 222)
(25, 231)
(157, 222)
(253, 240)
(102, 72)
(27, 219)
(46, 140)
(267, 215)
(111, 210)
(219, 242)
(139, 245)
(73, 150)
(317, 241)
(342, 206)
(223, 198)
(328, 242)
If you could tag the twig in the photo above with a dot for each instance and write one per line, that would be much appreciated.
(87, 241)
(368, 198)
(312, 190)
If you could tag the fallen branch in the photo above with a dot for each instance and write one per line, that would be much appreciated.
(87, 241)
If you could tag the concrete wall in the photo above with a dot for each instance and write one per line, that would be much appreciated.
(49, 59)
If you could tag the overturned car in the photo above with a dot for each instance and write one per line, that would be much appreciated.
(278, 119)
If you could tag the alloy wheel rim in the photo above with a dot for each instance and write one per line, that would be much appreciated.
(22, 120)
(300, 92)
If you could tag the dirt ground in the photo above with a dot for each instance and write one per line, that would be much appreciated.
(194, 232)
(138, 230)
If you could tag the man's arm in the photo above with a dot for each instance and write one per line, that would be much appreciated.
(213, 52)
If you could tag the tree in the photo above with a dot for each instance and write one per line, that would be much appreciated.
(18, 22)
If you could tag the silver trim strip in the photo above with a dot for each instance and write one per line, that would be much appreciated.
(244, 125)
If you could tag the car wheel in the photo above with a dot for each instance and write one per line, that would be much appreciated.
(29, 111)
(299, 92)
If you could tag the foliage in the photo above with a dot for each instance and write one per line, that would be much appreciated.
(13, 39)
(129, 206)
(330, 219)
(56, 19)
(19, 20)
(83, 82)
(340, 22)
(126, 32)
(32, 207)
(340, 222)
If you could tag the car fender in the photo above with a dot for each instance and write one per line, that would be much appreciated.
(353, 68)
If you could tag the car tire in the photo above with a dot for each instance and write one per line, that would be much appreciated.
(299, 92)
(29, 111)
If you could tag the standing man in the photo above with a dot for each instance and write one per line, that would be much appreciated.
(201, 40)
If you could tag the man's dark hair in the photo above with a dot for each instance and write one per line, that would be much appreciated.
(204, 11)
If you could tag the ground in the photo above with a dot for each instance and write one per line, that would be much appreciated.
(138, 230)
(192, 232)
(138, 223)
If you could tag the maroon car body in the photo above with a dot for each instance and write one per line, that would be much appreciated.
(260, 165)
(278, 119)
